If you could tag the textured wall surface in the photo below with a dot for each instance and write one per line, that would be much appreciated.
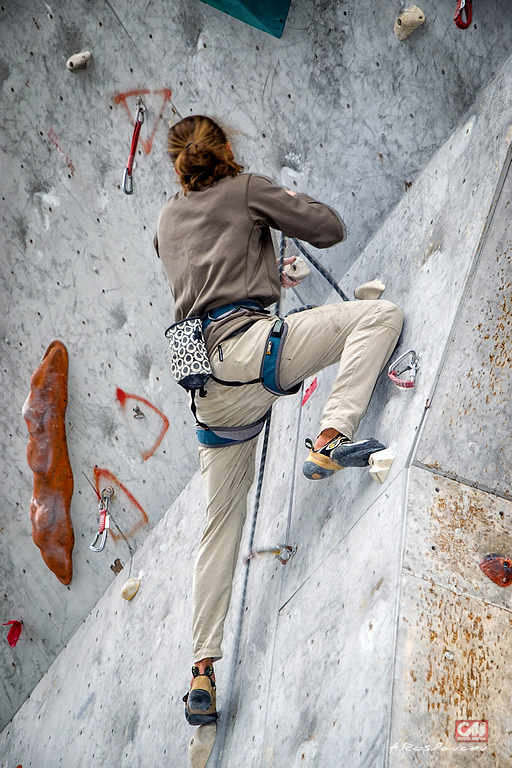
(340, 654)
(338, 107)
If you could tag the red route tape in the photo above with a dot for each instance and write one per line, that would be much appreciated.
(309, 391)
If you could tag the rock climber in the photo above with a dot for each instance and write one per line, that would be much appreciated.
(214, 240)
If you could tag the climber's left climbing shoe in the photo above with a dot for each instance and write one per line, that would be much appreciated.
(201, 700)
(339, 452)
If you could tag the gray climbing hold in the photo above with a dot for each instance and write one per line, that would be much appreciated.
(201, 745)
(79, 61)
(371, 290)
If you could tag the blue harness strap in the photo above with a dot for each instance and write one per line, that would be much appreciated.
(269, 371)
(215, 437)
(220, 313)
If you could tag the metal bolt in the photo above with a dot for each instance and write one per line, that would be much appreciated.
(137, 413)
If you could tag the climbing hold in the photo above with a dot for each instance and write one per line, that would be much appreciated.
(79, 61)
(201, 745)
(297, 270)
(130, 589)
(408, 21)
(371, 290)
(497, 569)
(14, 633)
(47, 456)
(380, 464)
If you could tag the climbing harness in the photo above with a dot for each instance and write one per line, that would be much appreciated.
(406, 362)
(283, 553)
(191, 368)
(128, 171)
(463, 13)
(215, 437)
(269, 378)
(104, 525)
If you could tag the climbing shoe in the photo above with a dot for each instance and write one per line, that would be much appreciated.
(339, 452)
(201, 700)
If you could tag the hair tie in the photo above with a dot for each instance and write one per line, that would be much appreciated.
(189, 144)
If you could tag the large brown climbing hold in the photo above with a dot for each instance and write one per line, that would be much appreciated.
(47, 455)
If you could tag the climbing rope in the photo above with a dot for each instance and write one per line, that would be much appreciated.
(332, 282)
(221, 725)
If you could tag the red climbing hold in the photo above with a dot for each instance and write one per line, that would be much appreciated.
(497, 569)
(14, 632)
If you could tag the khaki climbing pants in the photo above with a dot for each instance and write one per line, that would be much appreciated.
(360, 335)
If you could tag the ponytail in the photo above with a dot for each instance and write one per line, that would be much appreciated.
(198, 149)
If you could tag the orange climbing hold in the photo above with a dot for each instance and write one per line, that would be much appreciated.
(47, 455)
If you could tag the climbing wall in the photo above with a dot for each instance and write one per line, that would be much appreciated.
(338, 108)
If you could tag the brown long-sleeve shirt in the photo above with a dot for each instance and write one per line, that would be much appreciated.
(216, 247)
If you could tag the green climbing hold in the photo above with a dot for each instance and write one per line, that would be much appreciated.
(267, 15)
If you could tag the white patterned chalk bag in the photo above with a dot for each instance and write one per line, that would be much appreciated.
(190, 363)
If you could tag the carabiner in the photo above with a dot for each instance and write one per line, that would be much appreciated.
(127, 182)
(104, 525)
(463, 8)
(395, 370)
(283, 553)
(141, 108)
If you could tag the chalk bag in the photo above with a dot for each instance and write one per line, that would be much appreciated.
(190, 363)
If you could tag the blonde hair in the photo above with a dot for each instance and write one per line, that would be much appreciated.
(198, 149)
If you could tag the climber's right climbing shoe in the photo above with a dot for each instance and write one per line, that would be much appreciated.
(340, 452)
(201, 700)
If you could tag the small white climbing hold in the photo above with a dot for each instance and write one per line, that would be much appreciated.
(408, 21)
(370, 290)
(297, 270)
(130, 588)
(79, 61)
(201, 744)
(380, 463)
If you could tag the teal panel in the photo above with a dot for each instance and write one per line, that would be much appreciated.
(269, 15)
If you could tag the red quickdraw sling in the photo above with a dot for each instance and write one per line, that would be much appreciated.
(463, 13)
(139, 119)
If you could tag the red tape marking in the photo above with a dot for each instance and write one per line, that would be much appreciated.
(309, 391)
(104, 477)
(120, 98)
(123, 397)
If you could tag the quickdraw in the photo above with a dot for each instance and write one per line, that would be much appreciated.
(283, 553)
(463, 13)
(104, 525)
(406, 362)
(139, 119)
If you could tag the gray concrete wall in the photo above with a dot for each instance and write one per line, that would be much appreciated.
(339, 654)
(337, 107)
